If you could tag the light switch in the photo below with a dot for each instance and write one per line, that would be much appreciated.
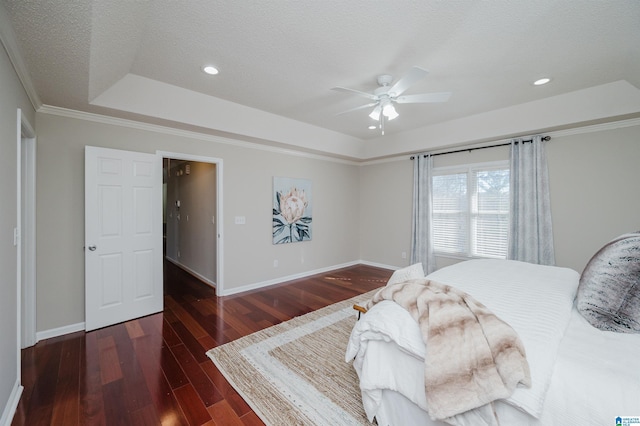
(240, 220)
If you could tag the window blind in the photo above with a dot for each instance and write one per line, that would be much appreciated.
(471, 212)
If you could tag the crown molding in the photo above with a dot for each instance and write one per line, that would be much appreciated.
(122, 122)
(104, 119)
(10, 43)
(554, 134)
(595, 128)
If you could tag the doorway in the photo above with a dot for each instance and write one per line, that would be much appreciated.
(27, 231)
(192, 203)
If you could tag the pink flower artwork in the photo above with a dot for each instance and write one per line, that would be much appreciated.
(291, 210)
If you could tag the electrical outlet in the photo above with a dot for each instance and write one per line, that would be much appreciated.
(275, 263)
(404, 254)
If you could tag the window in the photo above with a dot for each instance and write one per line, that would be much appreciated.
(471, 210)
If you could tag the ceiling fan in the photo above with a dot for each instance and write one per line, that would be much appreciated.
(385, 96)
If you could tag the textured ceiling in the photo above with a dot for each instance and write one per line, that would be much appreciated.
(283, 57)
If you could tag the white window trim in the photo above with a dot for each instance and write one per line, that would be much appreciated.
(470, 166)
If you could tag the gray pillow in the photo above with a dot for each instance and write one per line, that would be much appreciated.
(609, 291)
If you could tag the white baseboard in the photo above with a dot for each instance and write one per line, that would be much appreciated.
(191, 271)
(262, 284)
(55, 332)
(12, 404)
(380, 265)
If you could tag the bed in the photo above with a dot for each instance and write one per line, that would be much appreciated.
(579, 374)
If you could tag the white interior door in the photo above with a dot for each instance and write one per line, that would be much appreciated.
(123, 236)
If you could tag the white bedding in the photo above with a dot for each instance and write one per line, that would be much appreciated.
(596, 379)
(537, 302)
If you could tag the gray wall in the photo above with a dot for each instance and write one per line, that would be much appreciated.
(12, 97)
(593, 184)
(360, 212)
(247, 191)
(595, 196)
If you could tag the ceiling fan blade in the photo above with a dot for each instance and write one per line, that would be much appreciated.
(407, 80)
(424, 98)
(357, 108)
(357, 92)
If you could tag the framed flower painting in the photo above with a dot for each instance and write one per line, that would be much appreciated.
(292, 218)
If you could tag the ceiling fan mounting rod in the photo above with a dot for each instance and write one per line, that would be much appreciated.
(385, 80)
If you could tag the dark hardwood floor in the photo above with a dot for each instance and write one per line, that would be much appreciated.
(154, 370)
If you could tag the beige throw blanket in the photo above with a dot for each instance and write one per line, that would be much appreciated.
(472, 357)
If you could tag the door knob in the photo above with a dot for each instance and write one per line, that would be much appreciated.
(92, 248)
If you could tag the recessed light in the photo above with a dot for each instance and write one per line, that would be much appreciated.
(211, 70)
(541, 81)
(372, 127)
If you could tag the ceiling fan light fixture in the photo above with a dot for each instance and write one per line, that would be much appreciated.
(375, 114)
(389, 111)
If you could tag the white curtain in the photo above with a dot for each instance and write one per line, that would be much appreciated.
(421, 226)
(530, 230)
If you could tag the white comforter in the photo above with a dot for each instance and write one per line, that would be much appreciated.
(535, 300)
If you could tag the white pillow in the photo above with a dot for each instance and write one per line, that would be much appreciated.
(405, 274)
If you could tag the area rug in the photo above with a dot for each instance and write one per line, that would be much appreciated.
(294, 373)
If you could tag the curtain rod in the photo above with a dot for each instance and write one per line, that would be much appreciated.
(544, 138)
